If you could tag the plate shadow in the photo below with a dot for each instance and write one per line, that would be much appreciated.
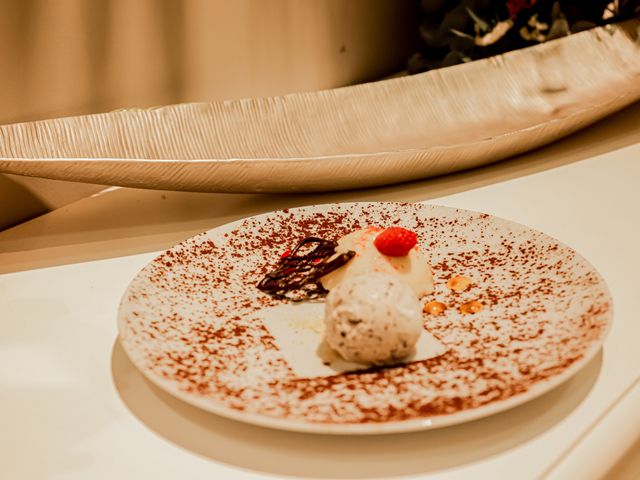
(301, 455)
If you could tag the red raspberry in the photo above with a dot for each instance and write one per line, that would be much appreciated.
(395, 241)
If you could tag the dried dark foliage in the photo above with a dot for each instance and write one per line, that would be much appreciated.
(454, 32)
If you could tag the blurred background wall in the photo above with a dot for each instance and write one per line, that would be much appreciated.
(72, 57)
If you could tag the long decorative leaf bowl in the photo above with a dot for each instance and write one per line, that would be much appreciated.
(364, 135)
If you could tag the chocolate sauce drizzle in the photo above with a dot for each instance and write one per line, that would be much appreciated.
(297, 275)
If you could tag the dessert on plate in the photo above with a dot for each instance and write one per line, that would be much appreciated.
(374, 278)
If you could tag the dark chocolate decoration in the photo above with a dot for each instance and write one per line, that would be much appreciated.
(297, 275)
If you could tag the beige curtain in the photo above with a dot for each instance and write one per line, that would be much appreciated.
(64, 57)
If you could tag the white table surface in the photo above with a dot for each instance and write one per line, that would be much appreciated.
(74, 407)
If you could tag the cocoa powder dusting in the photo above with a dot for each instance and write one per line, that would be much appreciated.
(192, 317)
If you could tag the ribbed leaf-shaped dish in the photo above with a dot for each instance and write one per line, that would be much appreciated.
(371, 134)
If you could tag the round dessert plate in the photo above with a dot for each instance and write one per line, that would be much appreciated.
(195, 324)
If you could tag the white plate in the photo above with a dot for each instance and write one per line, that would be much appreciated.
(193, 322)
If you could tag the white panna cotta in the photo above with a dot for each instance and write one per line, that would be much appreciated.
(412, 269)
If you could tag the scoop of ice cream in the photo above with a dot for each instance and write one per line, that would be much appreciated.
(412, 269)
(373, 319)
